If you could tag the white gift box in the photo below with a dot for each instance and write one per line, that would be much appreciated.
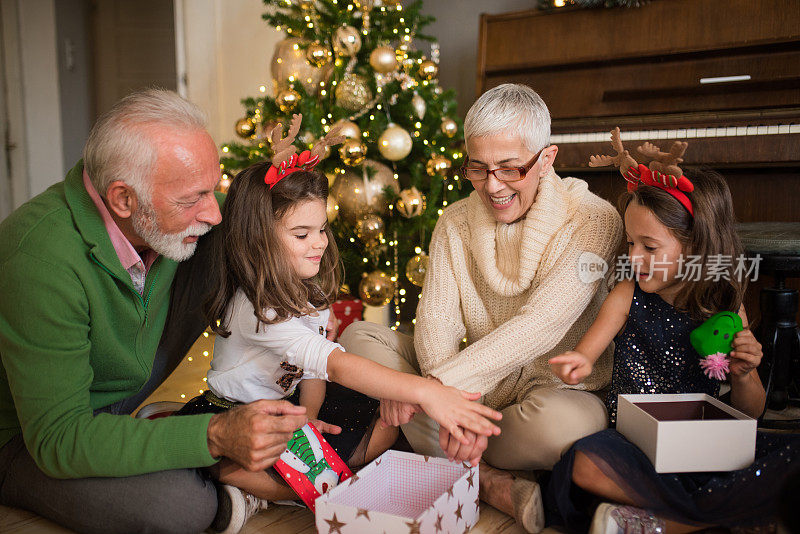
(402, 493)
(688, 432)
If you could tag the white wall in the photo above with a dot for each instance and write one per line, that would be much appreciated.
(228, 49)
(29, 35)
(456, 29)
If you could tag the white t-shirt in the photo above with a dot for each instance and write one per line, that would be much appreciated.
(250, 365)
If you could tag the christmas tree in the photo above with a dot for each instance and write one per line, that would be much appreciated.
(356, 64)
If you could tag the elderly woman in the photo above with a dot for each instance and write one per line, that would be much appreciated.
(504, 276)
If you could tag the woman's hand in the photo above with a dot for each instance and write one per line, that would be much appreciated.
(455, 410)
(572, 367)
(746, 354)
(332, 328)
(325, 428)
(396, 413)
(457, 451)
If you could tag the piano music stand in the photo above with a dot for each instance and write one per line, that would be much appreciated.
(778, 332)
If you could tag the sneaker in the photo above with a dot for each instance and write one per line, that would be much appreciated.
(618, 519)
(154, 410)
(234, 508)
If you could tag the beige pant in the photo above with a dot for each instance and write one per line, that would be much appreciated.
(535, 432)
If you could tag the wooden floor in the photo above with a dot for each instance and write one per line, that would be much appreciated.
(185, 383)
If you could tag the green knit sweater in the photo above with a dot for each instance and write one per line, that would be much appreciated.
(76, 336)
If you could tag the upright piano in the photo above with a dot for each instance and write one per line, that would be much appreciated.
(723, 75)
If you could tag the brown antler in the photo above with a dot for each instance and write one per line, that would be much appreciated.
(283, 148)
(665, 162)
(330, 139)
(623, 159)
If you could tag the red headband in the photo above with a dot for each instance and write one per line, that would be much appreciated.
(677, 187)
(304, 162)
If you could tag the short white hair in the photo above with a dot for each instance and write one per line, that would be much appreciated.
(512, 108)
(121, 145)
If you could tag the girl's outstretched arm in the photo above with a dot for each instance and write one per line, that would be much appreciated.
(747, 392)
(450, 407)
(574, 366)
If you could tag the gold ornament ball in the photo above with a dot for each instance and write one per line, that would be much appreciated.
(438, 165)
(376, 288)
(305, 4)
(287, 99)
(376, 178)
(348, 190)
(245, 127)
(331, 208)
(353, 152)
(394, 143)
(449, 127)
(289, 61)
(369, 228)
(428, 70)
(318, 55)
(353, 92)
(416, 269)
(383, 59)
(348, 129)
(364, 5)
(411, 203)
(346, 41)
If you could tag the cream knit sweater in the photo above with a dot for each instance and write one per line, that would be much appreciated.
(513, 291)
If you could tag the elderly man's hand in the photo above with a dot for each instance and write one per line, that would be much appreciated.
(254, 435)
(455, 450)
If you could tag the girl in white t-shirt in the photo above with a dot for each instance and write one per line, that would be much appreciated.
(279, 273)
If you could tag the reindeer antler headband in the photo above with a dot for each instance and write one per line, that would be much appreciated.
(663, 171)
(285, 161)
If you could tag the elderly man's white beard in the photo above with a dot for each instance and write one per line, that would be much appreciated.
(168, 245)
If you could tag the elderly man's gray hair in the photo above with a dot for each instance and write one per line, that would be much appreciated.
(513, 108)
(120, 145)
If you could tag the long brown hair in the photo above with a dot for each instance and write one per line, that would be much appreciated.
(710, 232)
(248, 253)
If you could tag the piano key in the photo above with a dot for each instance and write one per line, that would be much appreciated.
(794, 128)
(762, 130)
(730, 131)
(741, 130)
(772, 129)
(783, 128)
(752, 130)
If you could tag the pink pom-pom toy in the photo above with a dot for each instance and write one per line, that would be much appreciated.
(715, 365)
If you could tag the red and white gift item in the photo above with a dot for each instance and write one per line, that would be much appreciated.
(347, 311)
(310, 465)
(402, 493)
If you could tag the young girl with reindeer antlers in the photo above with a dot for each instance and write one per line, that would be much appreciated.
(668, 217)
(279, 269)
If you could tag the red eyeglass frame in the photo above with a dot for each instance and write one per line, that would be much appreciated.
(523, 170)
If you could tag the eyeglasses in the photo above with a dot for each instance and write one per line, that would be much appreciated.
(504, 174)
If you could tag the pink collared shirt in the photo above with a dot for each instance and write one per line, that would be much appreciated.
(137, 266)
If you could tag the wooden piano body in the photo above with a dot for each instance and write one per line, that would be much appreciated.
(723, 75)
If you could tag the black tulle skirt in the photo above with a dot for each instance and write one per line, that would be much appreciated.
(745, 498)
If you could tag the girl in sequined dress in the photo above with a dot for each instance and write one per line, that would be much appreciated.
(650, 318)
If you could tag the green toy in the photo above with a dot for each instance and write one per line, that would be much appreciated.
(713, 339)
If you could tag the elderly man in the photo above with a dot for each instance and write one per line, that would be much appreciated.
(504, 274)
(96, 312)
